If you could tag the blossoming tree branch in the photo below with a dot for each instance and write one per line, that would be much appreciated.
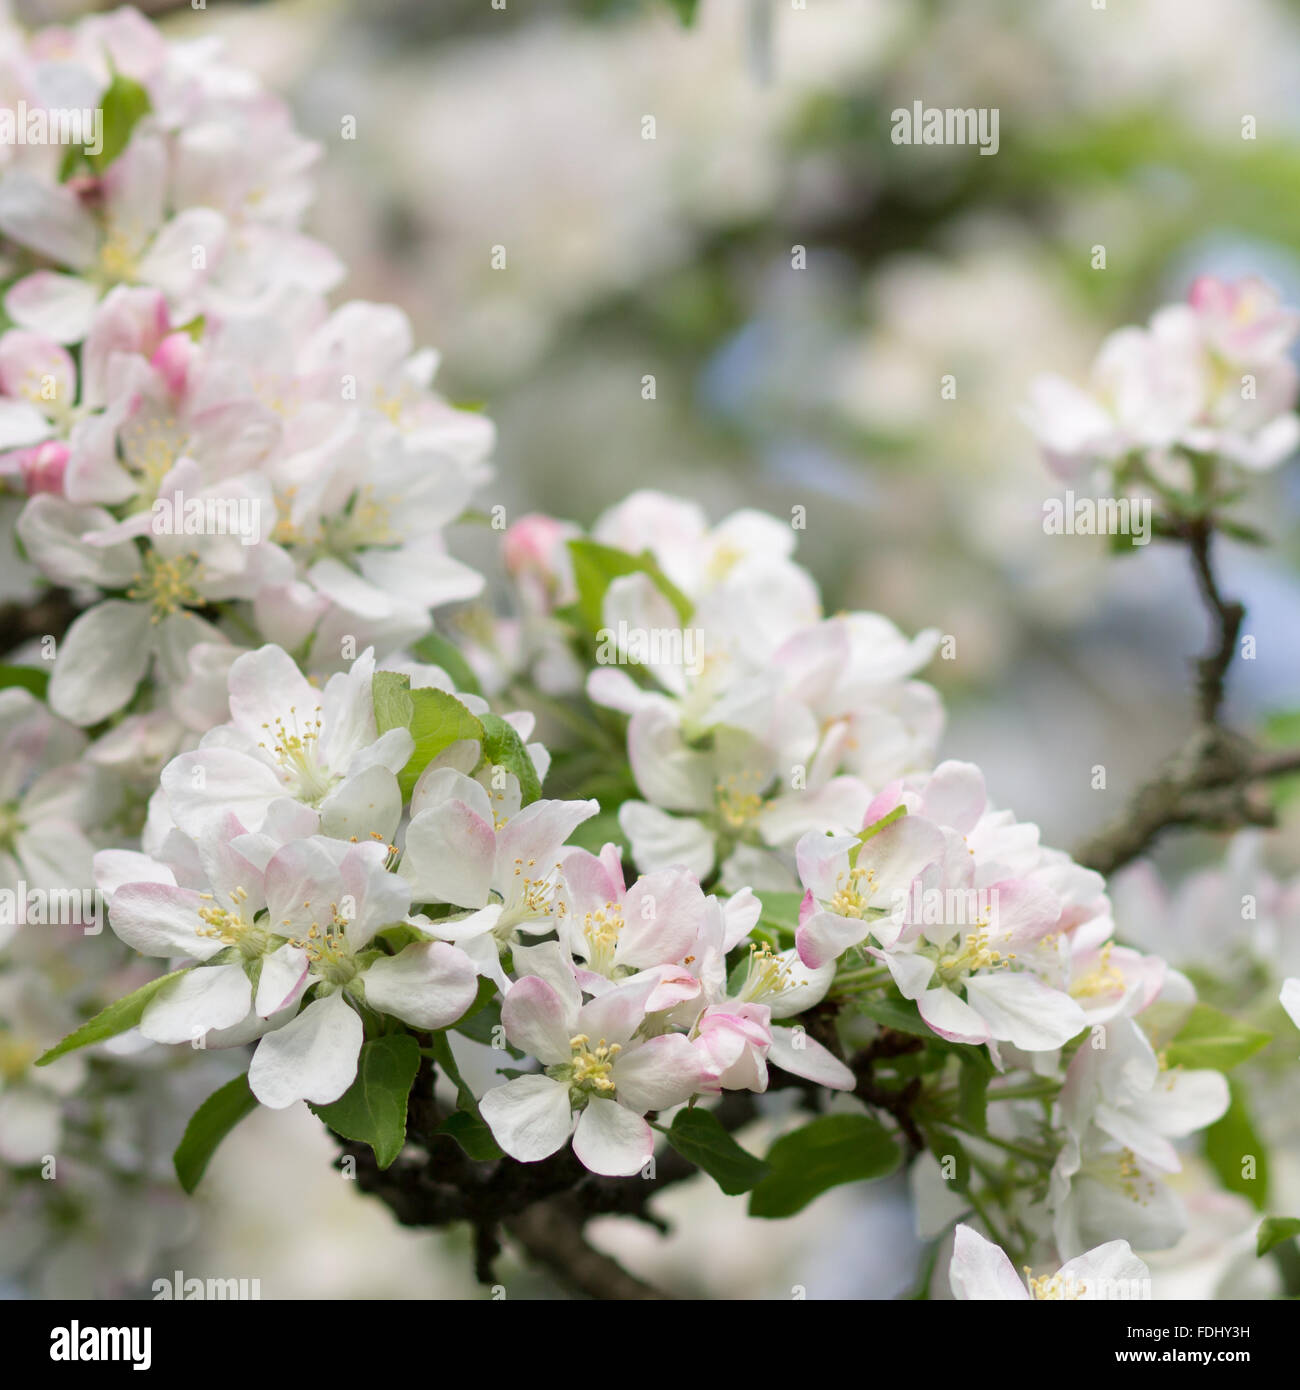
(298, 756)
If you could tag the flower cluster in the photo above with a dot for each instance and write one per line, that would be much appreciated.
(1209, 379)
(734, 850)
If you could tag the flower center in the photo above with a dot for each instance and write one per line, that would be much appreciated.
(1053, 1287)
(231, 926)
(849, 901)
(601, 929)
(296, 754)
(166, 584)
(1104, 978)
(737, 805)
(769, 974)
(326, 948)
(588, 1072)
(976, 953)
(532, 897)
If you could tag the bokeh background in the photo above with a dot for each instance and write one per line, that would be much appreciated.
(1120, 125)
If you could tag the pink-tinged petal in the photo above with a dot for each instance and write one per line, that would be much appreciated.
(660, 1073)
(676, 985)
(206, 997)
(1022, 912)
(794, 1051)
(897, 854)
(312, 1058)
(951, 1017)
(824, 937)
(611, 1140)
(589, 883)
(662, 915)
(618, 1013)
(1020, 1009)
(282, 981)
(538, 1021)
(159, 919)
(535, 835)
(889, 799)
(981, 1270)
(549, 962)
(955, 796)
(530, 1117)
(427, 984)
(449, 856)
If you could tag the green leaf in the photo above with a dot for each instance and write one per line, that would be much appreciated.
(901, 1015)
(391, 693)
(471, 1132)
(685, 10)
(780, 910)
(1273, 1230)
(1232, 1139)
(699, 1137)
(373, 1109)
(33, 678)
(467, 1127)
(869, 831)
(1213, 1039)
(830, 1151)
(437, 651)
(595, 565)
(108, 1023)
(973, 1087)
(208, 1126)
(437, 721)
(503, 747)
(123, 104)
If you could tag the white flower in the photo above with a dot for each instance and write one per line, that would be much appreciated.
(981, 1270)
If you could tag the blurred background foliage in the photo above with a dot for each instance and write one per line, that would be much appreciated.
(1165, 131)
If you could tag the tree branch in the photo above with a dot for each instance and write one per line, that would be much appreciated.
(1213, 782)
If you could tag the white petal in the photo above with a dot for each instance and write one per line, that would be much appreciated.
(529, 1117)
(982, 1270)
(427, 984)
(102, 659)
(209, 996)
(313, 1058)
(611, 1140)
